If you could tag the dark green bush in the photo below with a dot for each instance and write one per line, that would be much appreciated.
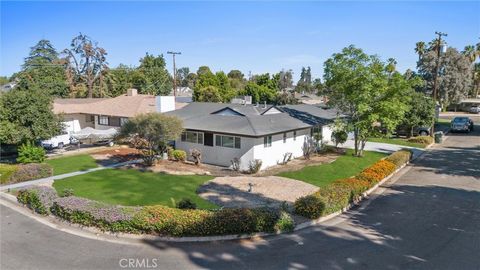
(29, 153)
(426, 140)
(400, 158)
(186, 204)
(310, 206)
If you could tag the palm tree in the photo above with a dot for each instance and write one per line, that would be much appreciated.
(420, 49)
(470, 53)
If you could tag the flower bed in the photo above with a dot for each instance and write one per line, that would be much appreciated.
(157, 219)
(339, 194)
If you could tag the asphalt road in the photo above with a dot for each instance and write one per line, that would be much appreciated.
(429, 218)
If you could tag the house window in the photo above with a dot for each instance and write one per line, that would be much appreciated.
(123, 120)
(294, 135)
(284, 137)
(192, 137)
(103, 120)
(228, 141)
(267, 141)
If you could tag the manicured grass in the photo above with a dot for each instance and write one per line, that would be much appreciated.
(5, 171)
(132, 187)
(71, 164)
(345, 166)
(397, 141)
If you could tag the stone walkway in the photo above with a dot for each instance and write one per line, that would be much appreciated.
(251, 192)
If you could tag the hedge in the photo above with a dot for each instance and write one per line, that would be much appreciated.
(339, 194)
(158, 219)
(38, 198)
(400, 157)
(24, 172)
(426, 140)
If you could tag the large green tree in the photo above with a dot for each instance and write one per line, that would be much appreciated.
(362, 88)
(151, 133)
(153, 77)
(454, 75)
(26, 115)
(44, 70)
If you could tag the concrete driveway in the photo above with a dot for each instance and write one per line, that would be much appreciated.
(429, 218)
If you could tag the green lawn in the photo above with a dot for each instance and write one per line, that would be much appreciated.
(397, 141)
(132, 187)
(69, 164)
(345, 166)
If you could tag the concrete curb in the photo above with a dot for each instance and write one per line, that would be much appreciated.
(94, 233)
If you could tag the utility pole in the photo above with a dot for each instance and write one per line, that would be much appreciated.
(174, 73)
(435, 85)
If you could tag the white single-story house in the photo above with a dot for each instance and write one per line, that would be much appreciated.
(223, 132)
(106, 113)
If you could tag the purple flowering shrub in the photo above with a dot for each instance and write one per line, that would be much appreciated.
(38, 198)
(91, 213)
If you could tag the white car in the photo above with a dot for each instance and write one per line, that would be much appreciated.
(63, 139)
(56, 142)
(475, 109)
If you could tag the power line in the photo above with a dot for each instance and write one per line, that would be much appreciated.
(174, 73)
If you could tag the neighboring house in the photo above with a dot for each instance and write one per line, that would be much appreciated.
(8, 86)
(308, 98)
(105, 113)
(223, 132)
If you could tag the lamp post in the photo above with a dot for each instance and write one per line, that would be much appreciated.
(440, 48)
(174, 73)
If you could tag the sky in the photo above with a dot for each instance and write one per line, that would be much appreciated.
(254, 37)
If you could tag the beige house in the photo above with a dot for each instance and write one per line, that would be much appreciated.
(105, 113)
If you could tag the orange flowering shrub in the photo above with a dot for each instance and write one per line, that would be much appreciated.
(377, 171)
(357, 186)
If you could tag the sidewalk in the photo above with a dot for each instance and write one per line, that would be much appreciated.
(384, 147)
(62, 176)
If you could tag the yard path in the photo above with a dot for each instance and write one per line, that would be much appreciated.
(252, 192)
(63, 176)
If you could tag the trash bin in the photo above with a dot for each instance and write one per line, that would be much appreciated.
(438, 137)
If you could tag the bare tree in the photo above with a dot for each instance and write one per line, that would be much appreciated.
(86, 61)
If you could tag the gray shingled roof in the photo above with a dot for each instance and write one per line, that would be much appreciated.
(252, 121)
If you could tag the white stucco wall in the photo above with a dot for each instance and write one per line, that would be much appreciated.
(221, 156)
(327, 133)
(251, 148)
(271, 156)
(80, 118)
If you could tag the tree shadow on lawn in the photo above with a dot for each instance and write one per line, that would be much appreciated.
(425, 227)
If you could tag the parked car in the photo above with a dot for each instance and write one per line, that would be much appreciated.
(461, 124)
(475, 109)
(417, 131)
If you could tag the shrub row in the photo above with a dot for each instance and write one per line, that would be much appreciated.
(24, 172)
(400, 157)
(337, 195)
(38, 198)
(426, 140)
(158, 219)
